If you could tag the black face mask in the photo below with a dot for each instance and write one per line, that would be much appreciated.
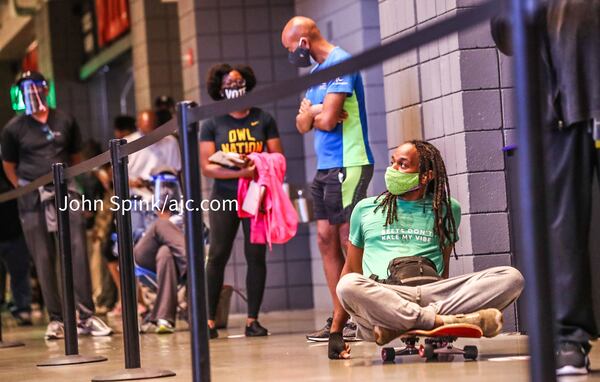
(233, 92)
(300, 57)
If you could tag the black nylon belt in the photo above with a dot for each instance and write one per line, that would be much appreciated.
(464, 19)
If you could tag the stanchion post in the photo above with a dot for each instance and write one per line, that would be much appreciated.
(131, 337)
(194, 244)
(534, 235)
(61, 195)
(64, 244)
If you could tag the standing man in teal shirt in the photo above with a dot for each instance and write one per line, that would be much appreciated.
(335, 111)
(415, 217)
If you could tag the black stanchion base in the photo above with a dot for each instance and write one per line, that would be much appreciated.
(8, 344)
(71, 360)
(133, 374)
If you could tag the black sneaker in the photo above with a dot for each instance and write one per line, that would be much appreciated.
(23, 318)
(213, 333)
(572, 359)
(256, 330)
(321, 335)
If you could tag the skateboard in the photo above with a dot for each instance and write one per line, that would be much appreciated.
(438, 341)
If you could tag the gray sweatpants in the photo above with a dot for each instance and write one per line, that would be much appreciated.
(162, 250)
(403, 308)
(42, 247)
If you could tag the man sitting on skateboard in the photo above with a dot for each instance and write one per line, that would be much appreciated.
(415, 217)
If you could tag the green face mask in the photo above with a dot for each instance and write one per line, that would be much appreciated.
(398, 182)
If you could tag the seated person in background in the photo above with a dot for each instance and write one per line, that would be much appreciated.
(162, 250)
(415, 217)
(163, 153)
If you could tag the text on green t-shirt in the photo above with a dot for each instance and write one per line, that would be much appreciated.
(412, 235)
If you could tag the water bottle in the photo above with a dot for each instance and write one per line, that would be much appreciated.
(302, 208)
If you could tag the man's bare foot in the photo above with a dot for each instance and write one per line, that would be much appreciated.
(489, 320)
(384, 335)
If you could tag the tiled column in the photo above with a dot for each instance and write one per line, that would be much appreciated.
(60, 58)
(248, 32)
(156, 51)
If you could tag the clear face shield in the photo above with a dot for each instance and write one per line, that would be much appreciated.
(167, 192)
(34, 96)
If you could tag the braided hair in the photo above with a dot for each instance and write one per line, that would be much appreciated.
(430, 162)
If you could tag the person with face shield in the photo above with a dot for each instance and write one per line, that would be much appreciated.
(162, 250)
(239, 133)
(397, 238)
(31, 143)
(335, 111)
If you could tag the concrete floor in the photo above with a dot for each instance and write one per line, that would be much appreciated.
(283, 356)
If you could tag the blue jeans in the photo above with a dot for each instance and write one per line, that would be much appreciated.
(14, 255)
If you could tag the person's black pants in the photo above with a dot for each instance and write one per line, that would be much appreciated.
(223, 228)
(571, 162)
(14, 255)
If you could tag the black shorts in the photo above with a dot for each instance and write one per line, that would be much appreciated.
(336, 191)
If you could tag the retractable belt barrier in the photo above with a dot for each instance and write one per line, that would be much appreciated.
(464, 19)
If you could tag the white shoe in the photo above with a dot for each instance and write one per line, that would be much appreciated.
(55, 331)
(164, 327)
(93, 326)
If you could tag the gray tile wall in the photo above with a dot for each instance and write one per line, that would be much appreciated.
(248, 31)
(354, 26)
(455, 92)
(156, 53)
(60, 58)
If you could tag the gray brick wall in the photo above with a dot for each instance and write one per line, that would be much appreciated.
(354, 26)
(60, 59)
(156, 53)
(248, 31)
(455, 92)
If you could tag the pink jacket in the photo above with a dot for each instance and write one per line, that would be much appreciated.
(277, 222)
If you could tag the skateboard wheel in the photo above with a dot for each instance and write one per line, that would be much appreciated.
(471, 352)
(388, 354)
(428, 352)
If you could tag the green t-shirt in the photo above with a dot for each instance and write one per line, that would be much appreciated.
(411, 235)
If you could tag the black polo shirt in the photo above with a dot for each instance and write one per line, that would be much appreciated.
(35, 146)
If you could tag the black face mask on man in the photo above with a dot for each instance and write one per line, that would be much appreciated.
(300, 57)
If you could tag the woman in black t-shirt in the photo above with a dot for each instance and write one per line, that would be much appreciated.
(242, 132)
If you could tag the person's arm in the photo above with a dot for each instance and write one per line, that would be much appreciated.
(10, 169)
(331, 112)
(274, 146)
(212, 170)
(305, 117)
(338, 349)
